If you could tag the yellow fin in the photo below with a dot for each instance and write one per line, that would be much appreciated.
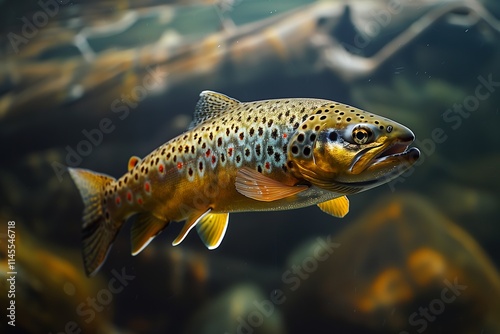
(188, 225)
(132, 162)
(144, 230)
(337, 207)
(259, 187)
(212, 229)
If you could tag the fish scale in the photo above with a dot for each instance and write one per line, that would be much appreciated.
(243, 156)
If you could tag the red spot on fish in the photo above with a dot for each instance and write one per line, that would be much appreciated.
(129, 196)
(139, 201)
(118, 201)
(147, 187)
(268, 165)
(161, 168)
(285, 135)
(207, 153)
(213, 159)
(230, 151)
(179, 165)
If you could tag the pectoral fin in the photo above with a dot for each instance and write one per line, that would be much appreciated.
(337, 207)
(144, 230)
(212, 228)
(188, 225)
(259, 187)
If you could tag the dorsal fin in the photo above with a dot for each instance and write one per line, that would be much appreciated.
(211, 104)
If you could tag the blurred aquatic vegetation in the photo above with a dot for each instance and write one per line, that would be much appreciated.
(51, 291)
(402, 266)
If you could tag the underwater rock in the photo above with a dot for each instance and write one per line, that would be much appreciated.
(242, 309)
(402, 267)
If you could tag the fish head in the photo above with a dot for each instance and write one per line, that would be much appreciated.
(347, 150)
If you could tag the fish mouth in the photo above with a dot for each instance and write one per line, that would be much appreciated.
(392, 155)
(395, 155)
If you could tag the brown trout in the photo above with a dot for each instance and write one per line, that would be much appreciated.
(243, 156)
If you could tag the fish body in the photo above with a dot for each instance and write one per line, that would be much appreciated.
(243, 156)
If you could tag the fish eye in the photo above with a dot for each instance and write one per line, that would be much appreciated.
(361, 135)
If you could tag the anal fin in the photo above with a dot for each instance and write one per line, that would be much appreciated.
(144, 230)
(212, 228)
(337, 207)
(188, 225)
(259, 187)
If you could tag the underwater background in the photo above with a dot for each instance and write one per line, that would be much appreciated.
(417, 255)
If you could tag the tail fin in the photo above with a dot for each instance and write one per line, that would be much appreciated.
(98, 235)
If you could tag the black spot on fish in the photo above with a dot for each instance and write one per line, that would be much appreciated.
(270, 150)
(312, 137)
(259, 168)
(277, 157)
(219, 141)
(300, 138)
(261, 131)
(252, 131)
(200, 166)
(247, 152)
(257, 150)
(270, 123)
(295, 149)
(307, 151)
(274, 134)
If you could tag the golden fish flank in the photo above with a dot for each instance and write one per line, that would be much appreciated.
(243, 156)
